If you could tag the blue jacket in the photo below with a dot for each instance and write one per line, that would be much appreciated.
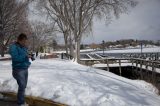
(19, 55)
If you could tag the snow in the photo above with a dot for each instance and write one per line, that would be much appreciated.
(137, 50)
(147, 49)
(111, 65)
(59, 52)
(77, 85)
(84, 50)
(5, 56)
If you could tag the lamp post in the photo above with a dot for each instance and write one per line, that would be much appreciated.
(103, 46)
(33, 43)
(141, 48)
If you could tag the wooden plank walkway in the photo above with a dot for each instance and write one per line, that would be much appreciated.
(150, 65)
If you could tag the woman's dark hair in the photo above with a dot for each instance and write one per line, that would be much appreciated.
(22, 36)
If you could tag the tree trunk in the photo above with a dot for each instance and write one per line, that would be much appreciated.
(2, 50)
(71, 49)
(1, 39)
(1, 44)
(77, 51)
(66, 42)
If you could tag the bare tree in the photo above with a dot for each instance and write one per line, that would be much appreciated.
(13, 20)
(62, 27)
(68, 38)
(42, 35)
(78, 14)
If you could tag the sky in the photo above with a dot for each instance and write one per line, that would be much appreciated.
(142, 22)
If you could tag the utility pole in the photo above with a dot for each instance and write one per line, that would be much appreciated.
(33, 43)
(141, 48)
(103, 46)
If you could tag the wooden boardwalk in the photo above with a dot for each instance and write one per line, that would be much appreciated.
(137, 62)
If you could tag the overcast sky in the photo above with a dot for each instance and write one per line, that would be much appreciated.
(142, 22)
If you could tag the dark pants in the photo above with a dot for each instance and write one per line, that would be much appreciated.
(21, 75)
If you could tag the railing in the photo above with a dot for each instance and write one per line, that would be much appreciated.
(147, 70)
(135, 62)
(66, 56)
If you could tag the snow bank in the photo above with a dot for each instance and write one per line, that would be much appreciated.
(144, 50)
(73, 84)
(146, 86)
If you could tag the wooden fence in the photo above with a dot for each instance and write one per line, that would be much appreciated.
(149, 65)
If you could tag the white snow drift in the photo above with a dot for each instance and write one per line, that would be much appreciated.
(73, 84)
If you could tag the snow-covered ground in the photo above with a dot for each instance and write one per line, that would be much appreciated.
(137, 50)
(149, 49)
(5, 56)
(123, 50)
(73, 84)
